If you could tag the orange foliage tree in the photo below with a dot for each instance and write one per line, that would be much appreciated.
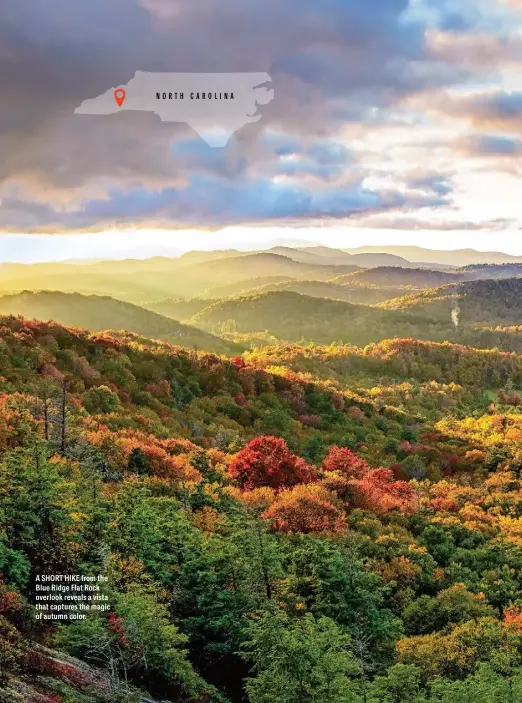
(306, 509)
(378, 491)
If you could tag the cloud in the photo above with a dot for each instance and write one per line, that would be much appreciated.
(477, 50)
(488, 145)
(325, 61)
(342, 71)
(213, 202)
(436, 183)
(493, 110)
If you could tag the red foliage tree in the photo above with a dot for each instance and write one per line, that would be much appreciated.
(267, 461)
(161, 389)
(346, 462)
(247, 380)
(356, 413)
(398, 473)
(509, 398)
(441, 504)
(10, 600)
(50, 371)
(240, 399)
(116, 626)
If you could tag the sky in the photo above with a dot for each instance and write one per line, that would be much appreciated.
(393, 122)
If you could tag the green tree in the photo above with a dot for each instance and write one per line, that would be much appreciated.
(331, 581)
(485, 686)
(402, 684)
(138, 461)
(36, 500)
(314, 450)
(451, 606)
(101, 400)
(414, 467)
(136, 640)
(299, 660)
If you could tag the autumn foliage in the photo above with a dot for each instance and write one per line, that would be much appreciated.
(307, 509)
(346, 462)
(513, 619)
(378, 491)
(267, 461)
(344, 504)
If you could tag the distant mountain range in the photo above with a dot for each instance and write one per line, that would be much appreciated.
(227, 300)
(310, 252)
(216, 274)
(428, 257)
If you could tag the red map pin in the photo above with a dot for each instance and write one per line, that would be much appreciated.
(119, 96)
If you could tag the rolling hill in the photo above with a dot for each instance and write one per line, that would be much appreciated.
(217, 274)
(325, 256)
(141, 281)
(393, 276)
(457, 257)
(245, 286)
(131, 288)
(181, 308)
(291, 317)
(131, 280)
(480, 271)
(99, 313)
(184, 308)
(261, 264)
(359, 294)
(313, 256)
(316, 255)
(487, 302)
(427, 278)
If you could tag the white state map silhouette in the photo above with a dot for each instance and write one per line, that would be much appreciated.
(215, 105)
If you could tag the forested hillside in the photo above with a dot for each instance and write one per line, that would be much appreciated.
(290, 316)
(491, 302)
(353, 509)
(181, 308)
(245, 285)
(100, 313)
(331, 516)
(399, 277)
(185, 308)
(358, 294)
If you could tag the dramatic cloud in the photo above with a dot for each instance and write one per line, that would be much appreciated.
(363, 93)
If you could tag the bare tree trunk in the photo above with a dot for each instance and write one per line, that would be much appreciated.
(268, 587)
(46, 399)
(361, 650)
(63, 415)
